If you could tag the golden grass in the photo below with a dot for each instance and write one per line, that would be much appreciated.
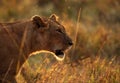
(98, 66)
(88, 71)
(95, 56)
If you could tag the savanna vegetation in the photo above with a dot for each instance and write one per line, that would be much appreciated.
(94, 26)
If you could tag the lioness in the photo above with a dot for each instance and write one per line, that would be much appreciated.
(19, 39)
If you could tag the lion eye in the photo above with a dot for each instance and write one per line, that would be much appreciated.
(59, 30)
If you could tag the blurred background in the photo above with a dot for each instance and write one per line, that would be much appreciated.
(94, 26)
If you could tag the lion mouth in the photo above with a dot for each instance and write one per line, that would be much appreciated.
(60, 55)
(59, 52)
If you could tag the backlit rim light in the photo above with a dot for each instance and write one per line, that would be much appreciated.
(44, 51)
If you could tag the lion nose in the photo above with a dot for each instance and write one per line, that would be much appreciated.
(70, 43)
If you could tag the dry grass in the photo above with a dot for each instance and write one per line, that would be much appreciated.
(95, 56)
(87, 71)
(93, 59)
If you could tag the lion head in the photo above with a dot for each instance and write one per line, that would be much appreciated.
(50, 35)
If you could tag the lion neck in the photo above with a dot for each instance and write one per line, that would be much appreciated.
(21, 32)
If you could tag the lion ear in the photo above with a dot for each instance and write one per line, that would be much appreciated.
(38, 21)
(53, 17)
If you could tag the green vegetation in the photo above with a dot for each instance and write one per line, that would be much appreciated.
(95, 56)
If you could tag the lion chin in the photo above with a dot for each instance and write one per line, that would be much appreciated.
(59, 55)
